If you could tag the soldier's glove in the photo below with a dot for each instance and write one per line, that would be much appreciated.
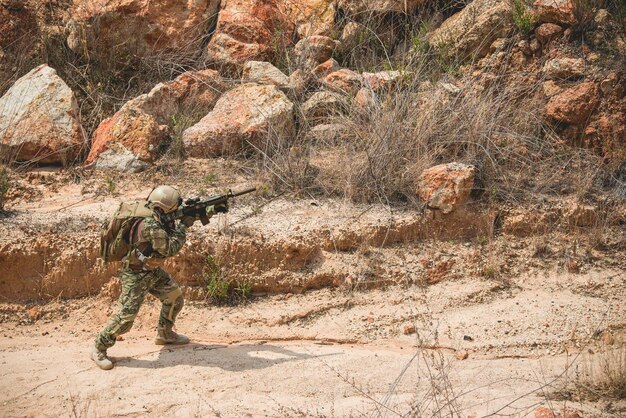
(187, 221)
(221, 208)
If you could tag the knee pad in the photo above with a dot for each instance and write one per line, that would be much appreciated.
(175, 299)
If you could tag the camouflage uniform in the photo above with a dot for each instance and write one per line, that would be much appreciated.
(140, 276)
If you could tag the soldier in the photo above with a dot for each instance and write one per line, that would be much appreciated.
(152, 240)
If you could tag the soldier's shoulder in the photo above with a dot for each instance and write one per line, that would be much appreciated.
(151, 224)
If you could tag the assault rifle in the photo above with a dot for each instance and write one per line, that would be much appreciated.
(197, 208)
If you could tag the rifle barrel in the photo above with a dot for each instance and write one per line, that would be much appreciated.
(246, 191)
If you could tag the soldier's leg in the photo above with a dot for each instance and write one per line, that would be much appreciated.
(135, 286)
(169, 293)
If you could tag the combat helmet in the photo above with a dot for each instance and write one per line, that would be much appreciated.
(164, 198)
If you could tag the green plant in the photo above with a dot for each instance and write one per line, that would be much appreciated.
(217, 288)
(523, 18)
(243, 290)
(5, 185)
(221, 290)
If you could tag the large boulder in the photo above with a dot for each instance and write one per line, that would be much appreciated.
(249, 115)
(40, 120)
(142, 126)
(470, 32)
(141, 27)
(574, 105)
(248, 30)
(447, 186)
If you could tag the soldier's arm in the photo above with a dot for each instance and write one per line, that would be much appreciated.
(165, 243)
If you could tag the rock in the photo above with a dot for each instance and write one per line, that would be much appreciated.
(248, 30)
(461, 355)
(365, 98)
(301, 82)
(409, 329)
(311, 17)
(314, 50)
(382, 80)
(264, 73)
(449, 88)
(352, 35)
(142, 126)
(581, 215)
(575, 104)
(248, 115)
(357, 7)
(547, 32)
(328, 133)
(550, 88)
(446, 186)
(40, 120)
(564, 68)
(603, 18)
(326, 68)
(322, 105)
(344, 81)
(118, 158)
(544, 412)
(141, 27)
(470, 32)
(554, 11)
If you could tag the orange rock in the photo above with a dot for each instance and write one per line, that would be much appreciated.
(409, 329)
(575, 104)
(314, 50)
(344, 81)
(248, 30)
(554, 11)
(461, 354)
(446, 186)
(141, 125)
(326, 68)
(142, 27)
(547, 31)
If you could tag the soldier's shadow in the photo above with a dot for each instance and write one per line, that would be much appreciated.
(227, 357)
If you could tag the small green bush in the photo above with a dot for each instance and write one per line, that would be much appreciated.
(524, 19)
(219, 289)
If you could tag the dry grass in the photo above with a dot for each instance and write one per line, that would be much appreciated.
(599, 376)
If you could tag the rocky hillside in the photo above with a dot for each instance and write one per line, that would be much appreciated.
(462, 120)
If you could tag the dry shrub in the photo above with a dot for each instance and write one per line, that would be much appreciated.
(382, 148)
(602, 376)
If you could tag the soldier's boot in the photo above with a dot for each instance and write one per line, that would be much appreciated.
(100, 358)
(165, 335)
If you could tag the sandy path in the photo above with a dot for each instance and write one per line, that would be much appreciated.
(256, 379)
(323, 353)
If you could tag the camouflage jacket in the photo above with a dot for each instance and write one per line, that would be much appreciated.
(151, 241)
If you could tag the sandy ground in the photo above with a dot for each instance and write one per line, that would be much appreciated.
(322, 353)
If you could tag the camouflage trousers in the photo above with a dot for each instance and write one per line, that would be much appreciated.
(135, 286)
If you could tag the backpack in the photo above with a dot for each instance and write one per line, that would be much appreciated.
(115, 236)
